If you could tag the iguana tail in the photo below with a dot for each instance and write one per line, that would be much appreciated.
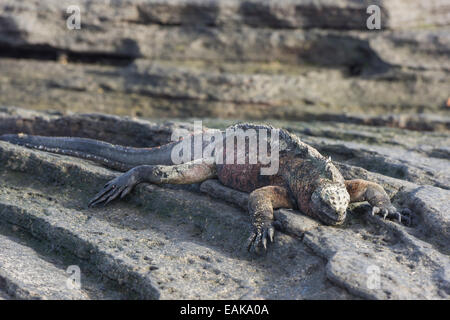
(112, 156)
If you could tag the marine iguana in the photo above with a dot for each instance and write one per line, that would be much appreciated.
(306, 180)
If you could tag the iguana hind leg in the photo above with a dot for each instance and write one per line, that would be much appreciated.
(186, 173)
(261, 203)
(362, 190)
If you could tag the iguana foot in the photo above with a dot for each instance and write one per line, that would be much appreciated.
(390, 212)
(362, 190)
(261, 203)
(260, 237)
(120, 186)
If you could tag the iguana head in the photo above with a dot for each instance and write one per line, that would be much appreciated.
(330, 202)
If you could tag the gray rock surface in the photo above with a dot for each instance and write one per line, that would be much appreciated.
(310, 66)
(23, 273)
(187, 242)
(432, 200)
(34, 269)
(290, 14)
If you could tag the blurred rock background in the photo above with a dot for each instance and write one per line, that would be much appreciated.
(257, 59)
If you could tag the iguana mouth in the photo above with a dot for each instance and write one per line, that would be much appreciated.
(333, 219)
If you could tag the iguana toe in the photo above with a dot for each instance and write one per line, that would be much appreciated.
(119, 186)
(99, 197)
(250, 241)
(385, 213)
(375, 210)
(271, 233)
(260, 238)
(264, 240)
(403, 216)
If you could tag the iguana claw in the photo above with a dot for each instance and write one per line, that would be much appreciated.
(375, 210)
(385, 213)
(260, 237)
(119, 186)
(271, 233)
(403, 216)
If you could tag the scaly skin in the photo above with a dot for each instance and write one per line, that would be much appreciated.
(305, 180)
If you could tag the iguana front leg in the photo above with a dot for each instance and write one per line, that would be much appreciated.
(261, 203)
(362, 190)
(186, 173)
